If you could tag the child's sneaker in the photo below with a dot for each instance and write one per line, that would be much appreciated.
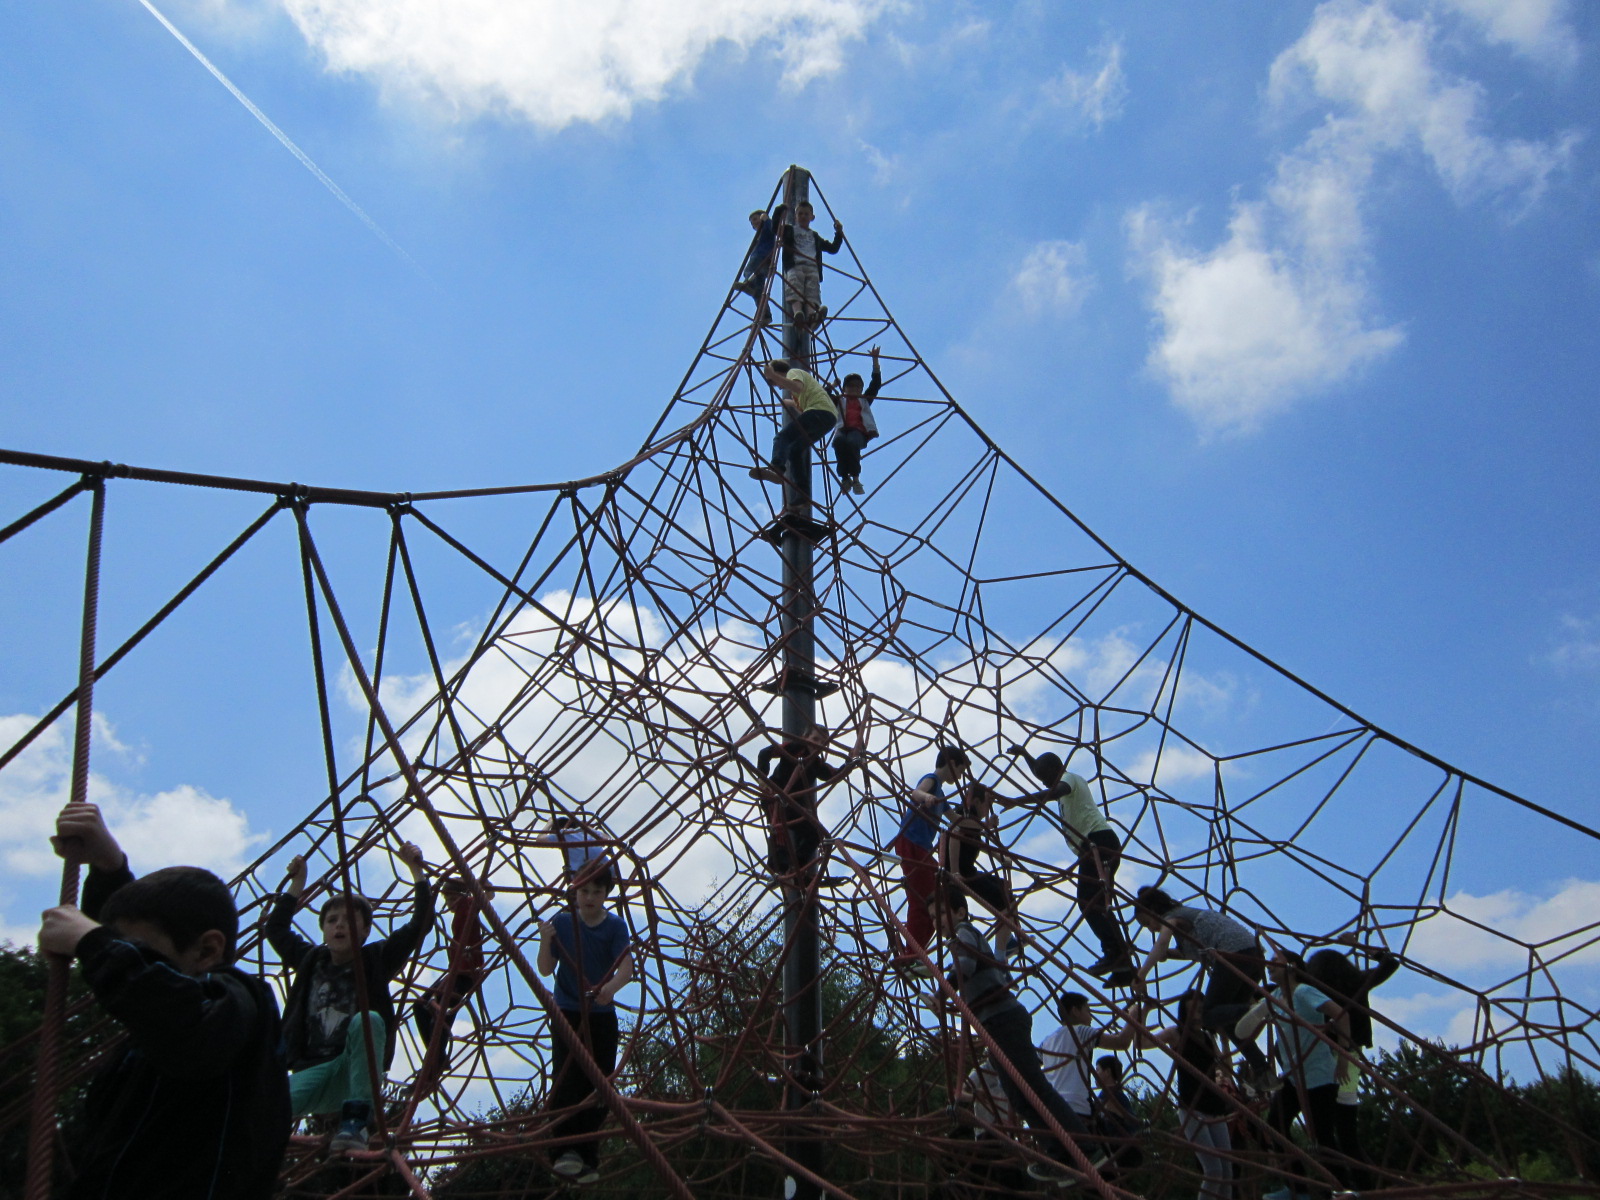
(353, 1129)
(855, 486)
(587, 1175)
(569, 1164)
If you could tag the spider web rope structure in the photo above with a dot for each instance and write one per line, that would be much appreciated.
(623, 666)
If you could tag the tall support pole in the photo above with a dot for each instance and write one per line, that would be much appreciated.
(802, 993)
(41, 1131)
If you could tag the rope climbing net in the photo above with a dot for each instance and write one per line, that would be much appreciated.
(628, 673)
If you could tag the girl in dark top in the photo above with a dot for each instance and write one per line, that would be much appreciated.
(1349, 986)
(972, 831)
(1203, 1110)
(1230, 948)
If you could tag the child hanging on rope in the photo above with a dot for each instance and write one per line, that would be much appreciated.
(796, 773)
(984, 986)
(761, 257)
(809, 414)
(1306, 1027)
(436, 1008)
(1350, 986)
(913, 844)
(802, 266)
(1091, 837)
(326, 1028)
(857, 426)
(1068, 1053)
(1232, 952)
(195, 1103)
(589, 949)
(970, 832)
(1203, 1107)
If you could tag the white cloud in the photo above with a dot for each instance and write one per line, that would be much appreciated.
(1096, 95)
(1495, 931)
(1280, 309)
(554, 63)
(1579, 645)
(1536, 28)
(1054, 277)
(182, 825)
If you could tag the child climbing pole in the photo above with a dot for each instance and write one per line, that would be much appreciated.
(802, 266)
(794, 772)
(809, 414)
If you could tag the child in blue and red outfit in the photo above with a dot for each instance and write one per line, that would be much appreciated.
(913, 844)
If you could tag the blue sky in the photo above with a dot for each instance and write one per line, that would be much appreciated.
(1294, 304)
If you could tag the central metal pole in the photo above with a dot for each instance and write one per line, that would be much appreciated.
(802, 993)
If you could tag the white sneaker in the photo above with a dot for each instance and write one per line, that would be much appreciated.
(569, 1164)
(1049, 1173)
(855, 486)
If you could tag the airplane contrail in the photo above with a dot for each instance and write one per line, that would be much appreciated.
(305, 159)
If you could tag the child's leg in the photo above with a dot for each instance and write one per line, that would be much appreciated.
(1097, 872)
(916, 866)
(571, 1084)
(1013, 1033)
(325, 1087)
(602, 1043)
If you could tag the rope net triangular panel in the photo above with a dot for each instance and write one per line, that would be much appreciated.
(625, 670)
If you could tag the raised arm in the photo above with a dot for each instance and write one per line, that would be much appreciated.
(871, 393)
(82, 837)
(1122, 1038)
(838, 240)
(282, 936)
(396, 949)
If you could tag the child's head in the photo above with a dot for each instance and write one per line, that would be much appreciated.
(977, 799)
(1333, 972)
(1108, 1067)
(851, 384)
(346, 919)
(1048, 768)
(779, 368)
(948, 908)
(185, 914)
(804, 212)
(951, 762)
(1150, 907)
(1073, 1008)
(757, 216)
(590, 889)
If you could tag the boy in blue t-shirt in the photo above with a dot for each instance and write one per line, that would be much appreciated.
(913, 845)
(588, 949)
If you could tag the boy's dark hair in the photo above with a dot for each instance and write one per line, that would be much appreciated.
(1153, 900)
(780, 365)
(360, 903)
(1333, 972)
(952, 896)
(1047, 767)
(1111, 1065)
(183, 902)
(759, 212)
(600, 876)
(951, 754)
(849, 379)
(1067, 1002)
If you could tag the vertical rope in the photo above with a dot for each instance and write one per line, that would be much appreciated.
(42, 1127)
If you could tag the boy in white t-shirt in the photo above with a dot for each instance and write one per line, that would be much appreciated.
(1068, 1053)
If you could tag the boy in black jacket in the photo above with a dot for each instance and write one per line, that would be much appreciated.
(195, 1104)
(331, 1070)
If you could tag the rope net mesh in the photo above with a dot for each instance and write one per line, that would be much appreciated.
(622, 666)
